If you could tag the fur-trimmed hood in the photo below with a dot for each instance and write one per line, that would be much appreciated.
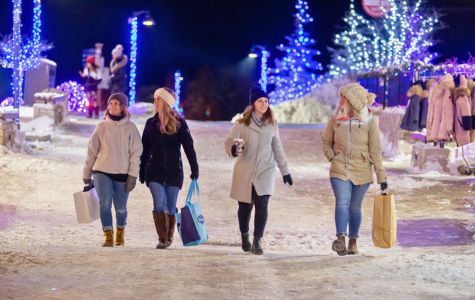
(415, 90)
(445, 84)
(470, 84)
(460, 92)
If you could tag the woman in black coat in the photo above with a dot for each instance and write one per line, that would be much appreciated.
(161, 164)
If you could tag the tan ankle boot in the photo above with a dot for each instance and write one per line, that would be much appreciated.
(339, 245)
(119, 237)
(352, 249)
(109, 238)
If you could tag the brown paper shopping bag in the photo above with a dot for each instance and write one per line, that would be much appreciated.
(384, 221)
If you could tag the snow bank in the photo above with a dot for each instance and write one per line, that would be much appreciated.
(315, 107)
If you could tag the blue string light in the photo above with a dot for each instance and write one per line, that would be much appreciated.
(133, 59)
(295, 74)
(264, 70)
(22, 55)
(76, 95)
(178, 80)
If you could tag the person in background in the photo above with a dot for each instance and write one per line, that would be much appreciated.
(254, 140)
(118, 69)
(161, 164)
(351, 142)
(113, 160)
(92, 77)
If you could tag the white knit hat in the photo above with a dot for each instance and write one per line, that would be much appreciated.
(165, 96)
(357, 96)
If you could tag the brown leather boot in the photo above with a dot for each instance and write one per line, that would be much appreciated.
(109, 238)
(339, 245)
(171, 228)
(352, 249)
(119, 237)
(161, 226)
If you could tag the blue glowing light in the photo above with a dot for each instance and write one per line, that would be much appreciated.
(178, 80)
(133, 59)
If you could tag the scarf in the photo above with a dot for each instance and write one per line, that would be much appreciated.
(259, 122)
(116, 118)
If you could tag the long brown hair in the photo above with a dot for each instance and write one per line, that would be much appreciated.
(125, 111)
(169, 119)
(247, 114)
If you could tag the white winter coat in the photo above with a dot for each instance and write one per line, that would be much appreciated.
(256, 165)
(115, 148)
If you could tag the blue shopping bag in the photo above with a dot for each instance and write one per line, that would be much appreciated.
(190, 221)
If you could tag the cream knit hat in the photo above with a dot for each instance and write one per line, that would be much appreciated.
(165, 96)
(357, 96)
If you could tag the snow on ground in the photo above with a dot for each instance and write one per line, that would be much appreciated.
(45, 254)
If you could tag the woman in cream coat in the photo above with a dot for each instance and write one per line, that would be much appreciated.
(351, 143)
(113, 160)
(254, 171)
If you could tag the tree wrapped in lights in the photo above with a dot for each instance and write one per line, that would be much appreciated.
(296, 73)
(22, 54)
(402, 36)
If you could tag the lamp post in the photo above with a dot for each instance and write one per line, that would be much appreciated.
(148, 21)
(258, 50)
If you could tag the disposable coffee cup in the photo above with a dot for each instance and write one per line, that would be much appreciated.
(239, 144)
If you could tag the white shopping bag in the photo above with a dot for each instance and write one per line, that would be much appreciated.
(87, 205)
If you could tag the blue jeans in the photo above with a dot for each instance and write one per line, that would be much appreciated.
(110, 191)
(164, 197)
(348, 205)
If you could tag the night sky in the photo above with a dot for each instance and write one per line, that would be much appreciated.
(195, 34)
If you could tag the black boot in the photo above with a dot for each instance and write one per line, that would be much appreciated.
(256, 246)
(245, 243)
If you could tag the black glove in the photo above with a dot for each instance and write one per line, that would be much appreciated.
(87, 181)
(194, 175)
(288, 179)
(141, 178)
(234, 150)
(384, 186)
(130, 183)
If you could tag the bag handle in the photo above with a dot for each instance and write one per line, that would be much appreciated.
(191, 190)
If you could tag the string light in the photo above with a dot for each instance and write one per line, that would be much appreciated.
(22, 54)
(264, 70)
(295, 74)
(76, 95)
(7, 102)
(404, 35)
(178, 80)
(133, 59)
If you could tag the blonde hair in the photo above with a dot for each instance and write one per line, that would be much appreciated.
(247, 114)
(169, 119)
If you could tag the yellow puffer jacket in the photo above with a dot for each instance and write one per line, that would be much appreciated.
(354, 150)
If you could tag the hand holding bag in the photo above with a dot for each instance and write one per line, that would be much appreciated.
(87, 205)
(384, 221)
(190, 221)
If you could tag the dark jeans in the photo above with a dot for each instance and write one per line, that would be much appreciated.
(260, 217)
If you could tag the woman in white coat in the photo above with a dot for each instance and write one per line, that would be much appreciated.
(254, 171)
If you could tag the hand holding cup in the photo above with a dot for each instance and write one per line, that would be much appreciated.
(239, 145)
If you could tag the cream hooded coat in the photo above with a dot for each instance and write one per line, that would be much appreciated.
(115, 148)
(256, 165)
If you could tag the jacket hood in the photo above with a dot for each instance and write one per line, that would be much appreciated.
(460, 92)
(415, 90)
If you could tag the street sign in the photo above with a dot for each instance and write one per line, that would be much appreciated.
(376, 8)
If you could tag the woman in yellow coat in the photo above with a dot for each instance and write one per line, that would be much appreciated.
(351, 143)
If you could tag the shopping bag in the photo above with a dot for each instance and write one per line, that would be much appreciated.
(190, 221)
(384, 221)
(87, 205)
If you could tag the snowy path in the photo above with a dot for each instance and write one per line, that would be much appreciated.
(45, 254)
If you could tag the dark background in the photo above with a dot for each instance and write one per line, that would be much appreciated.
(208, 40)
